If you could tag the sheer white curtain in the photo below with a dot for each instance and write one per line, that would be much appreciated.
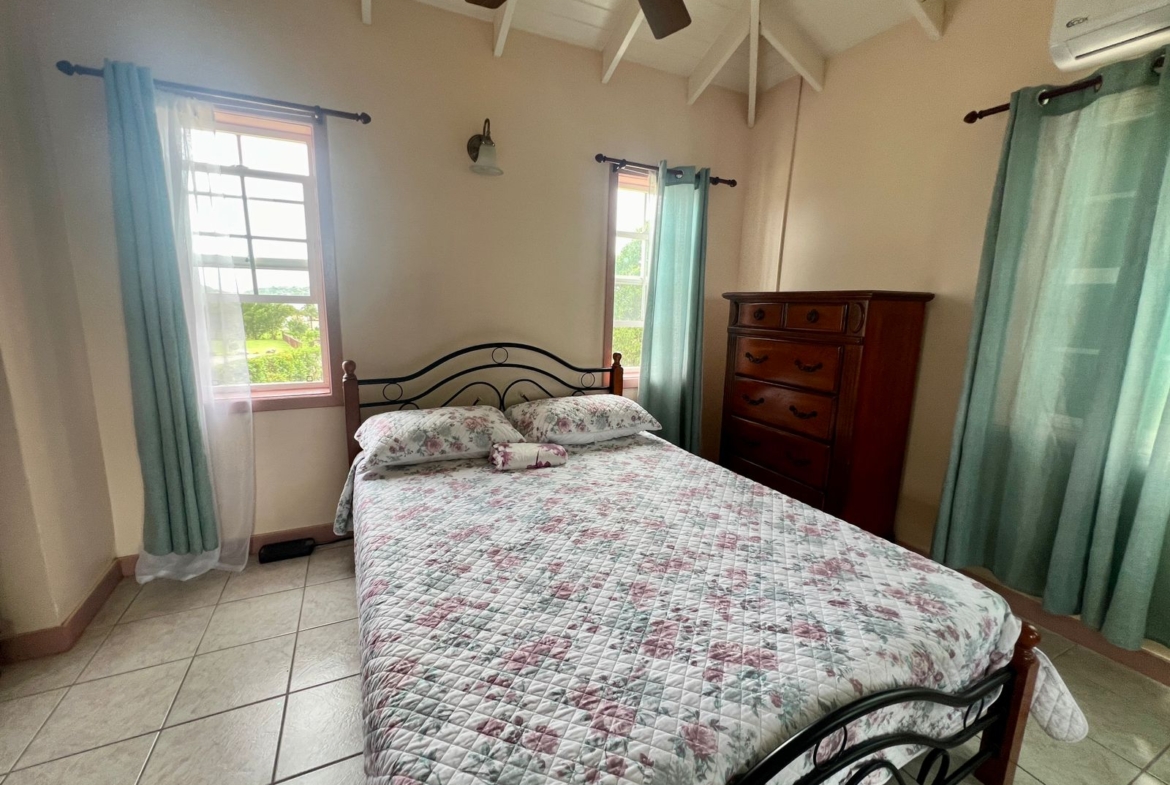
(207, 266)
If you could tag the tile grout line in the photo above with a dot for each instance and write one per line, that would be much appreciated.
(318, 768)
(288, 685)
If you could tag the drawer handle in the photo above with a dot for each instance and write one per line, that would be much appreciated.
(801, 415)
(753, 359)
(809, 368)
(795, 461)
(758, 314)
(813, 316)
(752, 401)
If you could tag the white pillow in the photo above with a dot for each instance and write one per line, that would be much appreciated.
(426, 435)
(580, 419)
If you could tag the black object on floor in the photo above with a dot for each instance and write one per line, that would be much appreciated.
(290, 549)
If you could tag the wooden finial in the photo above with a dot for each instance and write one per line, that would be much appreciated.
(350, 368)
(617, 359)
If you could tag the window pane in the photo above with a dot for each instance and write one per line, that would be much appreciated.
(214, 147)
(232, 280)
(631, 210)
(275, 155)
(232, 250)
(277, 219)
(279, 254)
(628, 341)
(627, 302)
(217, 214)
(259, 188)
(283, 342)
(629, 255)
(295, 282)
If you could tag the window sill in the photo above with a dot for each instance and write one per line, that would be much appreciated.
(279, 401)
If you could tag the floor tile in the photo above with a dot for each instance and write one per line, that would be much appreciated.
(1147, 779)
(20, 720)
(237, 747)
(116, 764)
(234, 677)
(331, 564)
(322, 725)
(326, 603)
(1083, 763)
(123, 594)
(1161, 767)
(346, 543)
(50, 673)
(326, 653)
(259, 579)
(166, 596)
(105, 711)
(1024, 778)
(254, 619)
(348, 772)
(141, 644)
(1133, 721)
(1053, 644)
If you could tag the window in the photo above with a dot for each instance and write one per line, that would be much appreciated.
(631, 220)
(254, 193)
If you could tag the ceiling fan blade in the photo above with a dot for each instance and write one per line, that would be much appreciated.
(487, 3)
(665, 16)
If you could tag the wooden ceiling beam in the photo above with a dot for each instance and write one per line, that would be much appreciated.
(931, 14)
(718, 54)
(629, 18)
(368, 12)
(753, 59)
(501, 24)
(786, 36)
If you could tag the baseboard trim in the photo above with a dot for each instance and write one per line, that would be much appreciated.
(322, 533)
(54, 640)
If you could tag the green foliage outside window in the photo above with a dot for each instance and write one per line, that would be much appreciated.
(628, 341)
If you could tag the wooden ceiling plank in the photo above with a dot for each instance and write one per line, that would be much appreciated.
(501, 24)
(368, 12)
(629, 18)
(753, 59)
(931, 14)
(786, 36)
(718, 54)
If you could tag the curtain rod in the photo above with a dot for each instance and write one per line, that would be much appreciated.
(69, 69)
(622, 163)
(1094, 82)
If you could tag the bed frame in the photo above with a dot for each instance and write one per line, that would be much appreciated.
(996, 706)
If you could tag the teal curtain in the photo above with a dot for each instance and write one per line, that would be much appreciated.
(1059, 479)
(671, 385)
(179, 502)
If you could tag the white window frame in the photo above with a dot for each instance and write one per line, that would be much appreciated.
(613, 280)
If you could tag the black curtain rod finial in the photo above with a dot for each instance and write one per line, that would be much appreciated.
(66, 67)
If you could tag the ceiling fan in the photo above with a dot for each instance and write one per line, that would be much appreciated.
(664, 16)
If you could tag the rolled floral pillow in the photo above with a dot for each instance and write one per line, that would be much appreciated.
(513, 456)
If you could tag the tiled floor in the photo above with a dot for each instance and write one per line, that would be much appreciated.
(252, 678)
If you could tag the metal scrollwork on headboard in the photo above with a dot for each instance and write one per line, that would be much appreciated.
(421, 389)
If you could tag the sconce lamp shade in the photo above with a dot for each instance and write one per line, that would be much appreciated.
(482, 151)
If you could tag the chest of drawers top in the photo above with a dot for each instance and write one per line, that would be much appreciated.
(835, 317)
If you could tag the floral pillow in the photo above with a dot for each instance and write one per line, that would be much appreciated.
(580, 419)
(512, 457)
(426, 435)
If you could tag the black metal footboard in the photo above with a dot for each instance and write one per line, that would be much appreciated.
(827, 739)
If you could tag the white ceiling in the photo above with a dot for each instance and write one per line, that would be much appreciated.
(832, 26)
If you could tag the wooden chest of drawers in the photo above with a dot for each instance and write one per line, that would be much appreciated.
(818, 394)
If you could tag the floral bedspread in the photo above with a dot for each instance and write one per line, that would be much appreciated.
(637, 615)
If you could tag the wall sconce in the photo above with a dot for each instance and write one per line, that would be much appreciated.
(482, 150)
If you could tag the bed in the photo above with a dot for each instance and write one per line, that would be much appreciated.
(642, 615)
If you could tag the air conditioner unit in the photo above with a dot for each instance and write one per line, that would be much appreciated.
(1088, 33)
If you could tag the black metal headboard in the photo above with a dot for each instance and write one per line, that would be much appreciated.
(399, 392)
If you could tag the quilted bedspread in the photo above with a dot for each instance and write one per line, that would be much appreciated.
(637, 615)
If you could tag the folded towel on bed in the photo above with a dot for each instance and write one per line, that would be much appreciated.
(512, 456)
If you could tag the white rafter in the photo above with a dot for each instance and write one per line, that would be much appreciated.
(718, 55)
(779, 29)
(629, 18)
(753, 58)
(368, 11)
(501, 25)
(931, 14)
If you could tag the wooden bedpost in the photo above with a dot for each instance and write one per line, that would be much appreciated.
(616, 373)
(1004, 739)
(353, 412)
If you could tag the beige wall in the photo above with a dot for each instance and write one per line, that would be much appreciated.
(890, 190)
(430, 256)
(56, 532)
